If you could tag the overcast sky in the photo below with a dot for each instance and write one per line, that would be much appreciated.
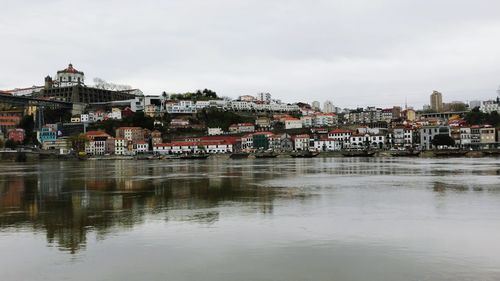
(353, 52)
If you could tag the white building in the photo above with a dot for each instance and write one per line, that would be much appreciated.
(181, 107)
(326, 144)
(490, 106)
(340, 135)
(141, 147)
(120, 146)
(293, 123)
(428, 133)
(325, 120)
(215, 131)
(85, 118)
(247, 142)
(264, 97)
(242, 128)
(213, 147)
(217, 147)
(301, 142)
(307, 121)
(465, 137)
(69, 77)
(328, 107)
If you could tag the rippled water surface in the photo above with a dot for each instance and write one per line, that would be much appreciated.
(263, 219)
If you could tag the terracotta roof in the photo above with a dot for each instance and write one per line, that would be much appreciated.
(97, 134)
(301, 136)
(228, 139)
(242, 124)
(263, 133)
(339, 131)
(70, 69)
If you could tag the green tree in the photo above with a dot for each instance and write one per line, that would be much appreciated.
(440, 140)
(213, 118)
(475, 117)
(78, 142)
(11, 144)
(28, 124)
(493, 119)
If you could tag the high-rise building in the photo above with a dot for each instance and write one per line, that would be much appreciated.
(436, 101)
(474, 103)
(316, 105)
(328, 107)
(265, 97)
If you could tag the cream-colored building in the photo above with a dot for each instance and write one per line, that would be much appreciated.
(436, 101)
(488, 137)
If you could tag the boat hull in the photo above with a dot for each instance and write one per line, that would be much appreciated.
(405, 153)
(304, 154)
(241, 155)
(444, 153)
(358, 153)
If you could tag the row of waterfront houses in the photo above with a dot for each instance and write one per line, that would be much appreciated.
(128, 141)
(136, 140)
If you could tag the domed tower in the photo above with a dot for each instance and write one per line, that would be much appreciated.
(69, 77)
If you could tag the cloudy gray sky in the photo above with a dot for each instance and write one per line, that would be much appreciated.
(353, 52)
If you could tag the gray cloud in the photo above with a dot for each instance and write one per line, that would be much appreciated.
(352, 52)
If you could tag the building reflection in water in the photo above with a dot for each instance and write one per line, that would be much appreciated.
(67, 200)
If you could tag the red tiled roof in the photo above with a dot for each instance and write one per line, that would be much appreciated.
(301, 136)
(339, 131)
(228, 139)
(70, 69)
(263, 133)
(97, 134)
(242, 124)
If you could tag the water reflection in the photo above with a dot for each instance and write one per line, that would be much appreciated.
(68, 200)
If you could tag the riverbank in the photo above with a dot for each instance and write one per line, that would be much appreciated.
(33, 156)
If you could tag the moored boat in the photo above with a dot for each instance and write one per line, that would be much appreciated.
(266, 154)
(194, 156)
(491, 152)
(239, 155)
(304, 154)
(405, 153)
(358, 153)
(450, 152)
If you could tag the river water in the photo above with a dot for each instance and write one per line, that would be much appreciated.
(262, 219)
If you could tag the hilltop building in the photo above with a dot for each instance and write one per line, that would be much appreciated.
(69, 86)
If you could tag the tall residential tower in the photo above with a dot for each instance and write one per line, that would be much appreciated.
(436, 101)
